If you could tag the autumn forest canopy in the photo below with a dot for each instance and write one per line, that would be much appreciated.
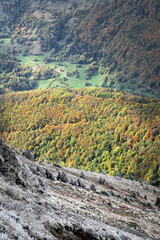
(95, 129)
(80, 83)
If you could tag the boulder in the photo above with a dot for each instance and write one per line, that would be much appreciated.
(28, 154)
(9, 162)
(127, 199)
(105, 193)
(74, 182)
(80, 183)
(112, 193)
(135, 194)
(144, 204)
(50, 175)
(41, 171)
(42, 184)
(102, 180)
(149, 204)
(63, 177)
(93, 187)
(82, 175)
(11, 166)
(33, 169)
(158, 201)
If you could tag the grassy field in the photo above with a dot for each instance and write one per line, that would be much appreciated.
(43, 84)
(66, 73)
(4, 43)
(62, 69)
(29, 60)
(49, 83)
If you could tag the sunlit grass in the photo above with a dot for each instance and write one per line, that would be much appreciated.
(42, 84)
(4, 45)
(62, 69)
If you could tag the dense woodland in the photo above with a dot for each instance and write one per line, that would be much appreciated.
(93, 129)
(23, 77)
(122, 36)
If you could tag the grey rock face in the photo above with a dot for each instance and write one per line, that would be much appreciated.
(102, 180)
(127, 199)
(149, 204)
(33, 206)
(93, 187)
(42, 184)
(135, 194)
(28, 154)
(82, 175)
(41, 171)
(33, 169)
(158, 201)
(57, 165)
(74, 182)
(145, 197)
(50, 175)
(105, 193)
(143, 204)
(112, 193)
(63, 177)
(80, 183)
(11, 165)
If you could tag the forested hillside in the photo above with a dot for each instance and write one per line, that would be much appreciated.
(122, 37)
(96, 129)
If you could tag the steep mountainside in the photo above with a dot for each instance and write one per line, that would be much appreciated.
(95, 129)
(122, 36)
(39, 201)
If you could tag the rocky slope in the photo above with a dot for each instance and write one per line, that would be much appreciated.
(39, 201)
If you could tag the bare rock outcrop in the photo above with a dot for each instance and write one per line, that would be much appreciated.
(158, 201)
(11, 165)
(28, 154)
(42, 202)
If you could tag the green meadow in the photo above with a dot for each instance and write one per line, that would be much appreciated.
(4, 43)
(65, 70)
